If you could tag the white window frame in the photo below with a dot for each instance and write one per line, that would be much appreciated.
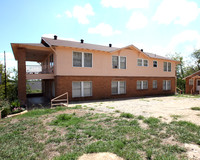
(143, 62)
(167, 67)
(82, 89)
(118, 64)
(147, 62)
(118, 88)
(142, 84)
(137, 62)
(167, 88)
(156, 64)
(191, 82)
(156, 86)
(82, 56)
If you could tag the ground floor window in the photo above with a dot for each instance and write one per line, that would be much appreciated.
(167, 85)
(118, 87)
(154, 84)
(142, 84)
(81, 89)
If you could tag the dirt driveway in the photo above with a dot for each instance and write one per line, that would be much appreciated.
(166, 108)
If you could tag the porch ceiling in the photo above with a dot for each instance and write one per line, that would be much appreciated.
(34, 52)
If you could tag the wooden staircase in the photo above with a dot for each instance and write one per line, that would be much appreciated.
(61, 100)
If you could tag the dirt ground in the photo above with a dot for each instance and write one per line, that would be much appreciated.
(167, 108)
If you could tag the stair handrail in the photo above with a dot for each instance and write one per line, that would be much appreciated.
(59, 97)
(179, 90)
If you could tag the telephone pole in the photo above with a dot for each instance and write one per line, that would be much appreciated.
(5, 73)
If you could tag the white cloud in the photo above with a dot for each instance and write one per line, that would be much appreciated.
(104, 30)
(58, 16)
(81, 13)
(69, 14)
(137, 21)
(185, 36)
(128, 4)
(176, 11)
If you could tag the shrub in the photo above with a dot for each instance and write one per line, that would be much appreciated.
(5, 108)
(126, 115)
(195, 108)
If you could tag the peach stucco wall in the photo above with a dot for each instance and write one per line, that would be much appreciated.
(102, 64)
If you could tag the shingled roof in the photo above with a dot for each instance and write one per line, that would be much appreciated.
(74, 44)
(80, 45)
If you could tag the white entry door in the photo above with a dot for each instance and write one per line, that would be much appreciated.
(198, 85)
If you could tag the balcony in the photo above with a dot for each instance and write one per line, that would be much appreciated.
(39, 72)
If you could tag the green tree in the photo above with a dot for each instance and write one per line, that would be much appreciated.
(196, 56)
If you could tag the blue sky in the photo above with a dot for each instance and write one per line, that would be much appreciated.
(161, 26)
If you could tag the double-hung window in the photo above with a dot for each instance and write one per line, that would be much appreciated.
(142, 84)
(81, 59)
(191, 82)
(166, 85)
(118, 87)
(155, 84)
(142, 62)
(81, 89)
(167, 67)
(155, 64)
(118, 62)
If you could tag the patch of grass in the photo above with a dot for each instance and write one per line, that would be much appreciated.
(40, 112)
(140, 117)
(90, 133)
(117, 111)
(66, 120)
(110, 107)
(77, 107)
(92, 109)
(195, 108)
(184, 131)
(187, 96)
(126, 115)
(175, 116)
(20, 140)
(152, 122)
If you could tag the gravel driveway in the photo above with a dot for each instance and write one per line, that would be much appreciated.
(166, 108)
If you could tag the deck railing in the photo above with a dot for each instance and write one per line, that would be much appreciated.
(38, 69)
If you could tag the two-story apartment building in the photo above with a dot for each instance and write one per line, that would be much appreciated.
(89, 71)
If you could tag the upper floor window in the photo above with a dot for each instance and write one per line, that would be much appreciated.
(142, 84)
(81, 59)
(191, 82)
(119, 62)
(167, 66)
(142, 62)
(166, 85)
(155, 64)
(118, 87)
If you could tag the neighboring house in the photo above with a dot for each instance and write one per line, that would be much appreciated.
(89, 71)
(192, 84)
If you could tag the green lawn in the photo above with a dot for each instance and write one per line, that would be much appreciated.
(65, 134)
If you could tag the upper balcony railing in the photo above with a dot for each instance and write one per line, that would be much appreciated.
(38, 69)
